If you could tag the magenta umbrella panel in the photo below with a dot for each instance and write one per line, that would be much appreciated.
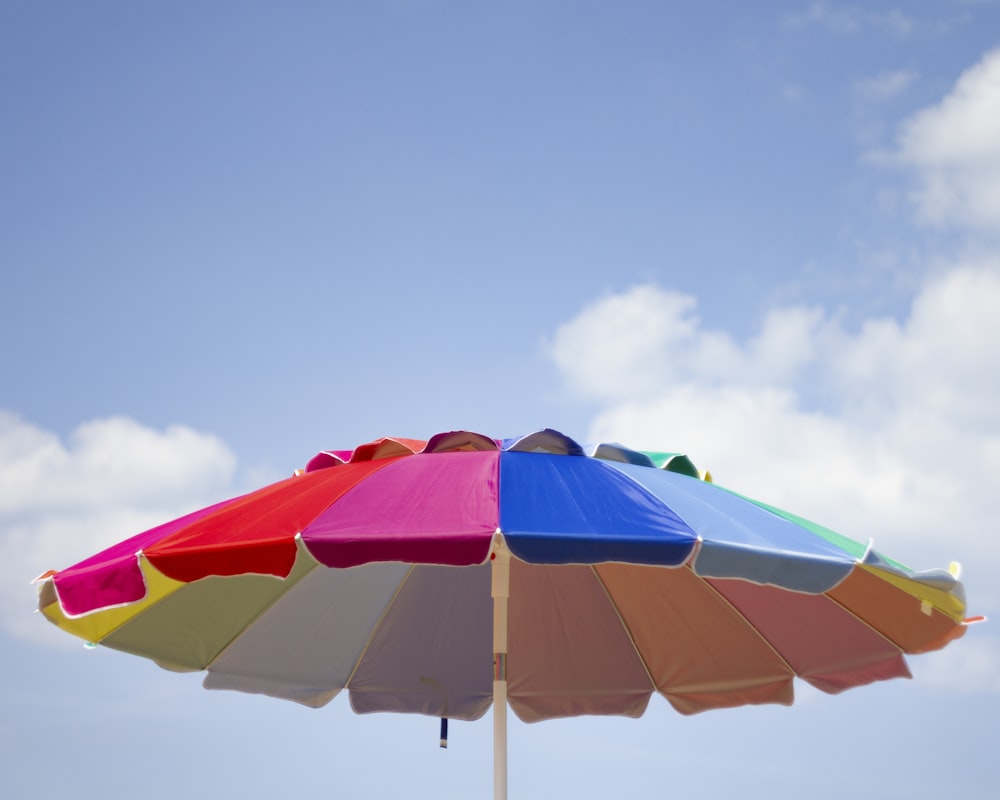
(626, 573)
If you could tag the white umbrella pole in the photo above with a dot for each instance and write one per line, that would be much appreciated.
(500, 590)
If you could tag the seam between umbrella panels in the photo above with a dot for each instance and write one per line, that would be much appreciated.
(377, 625)
(863, 621)
(825, 594)
(766, 641)
(746, 620)
(249, 623)
(625, 626)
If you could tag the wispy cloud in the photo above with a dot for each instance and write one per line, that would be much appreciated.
(884, 86)
(846, 19)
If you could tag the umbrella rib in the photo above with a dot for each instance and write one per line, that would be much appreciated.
(625, 627)
(746, 620)
(300, 549)
(377, 625)
(867, 624)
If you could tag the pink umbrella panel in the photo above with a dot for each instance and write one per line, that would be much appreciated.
(376, 571)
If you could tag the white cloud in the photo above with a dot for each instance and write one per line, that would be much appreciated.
(60, 502)
(953, 149)
(647, 340)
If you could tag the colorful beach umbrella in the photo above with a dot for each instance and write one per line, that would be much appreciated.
(446, 576)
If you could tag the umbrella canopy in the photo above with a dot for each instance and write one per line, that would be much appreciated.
(442, 576)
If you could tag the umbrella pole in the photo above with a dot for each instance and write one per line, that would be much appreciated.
(500, 590)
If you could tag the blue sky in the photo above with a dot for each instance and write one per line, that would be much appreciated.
(235, 234)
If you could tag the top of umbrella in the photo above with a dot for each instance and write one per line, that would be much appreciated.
(555, 501)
